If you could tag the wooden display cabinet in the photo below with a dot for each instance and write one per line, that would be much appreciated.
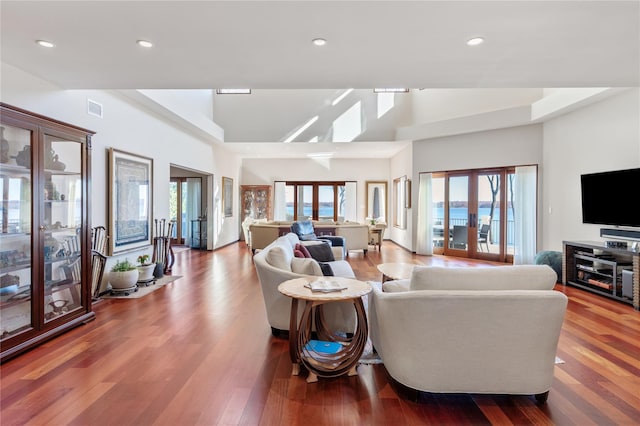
(256, 201)
(45, 235)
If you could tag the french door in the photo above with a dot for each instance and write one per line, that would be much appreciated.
(177, 209)
(471, 214)
(315, 200)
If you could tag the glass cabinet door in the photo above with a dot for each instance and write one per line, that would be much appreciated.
(16, 274)
(62, 201)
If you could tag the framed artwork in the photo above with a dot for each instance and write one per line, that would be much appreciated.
(227, 196)
(376, 199)
(130, 201)
(400, 202)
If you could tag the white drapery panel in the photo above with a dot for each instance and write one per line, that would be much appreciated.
(279, 201)
(193, 203)
(350, 203)
(424, 237)
(524, 215)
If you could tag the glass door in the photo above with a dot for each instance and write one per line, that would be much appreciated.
(458, 214)
(490, 218)
(327, 202)
(471, 218)
(62, 197)
(317, 200)
(16, 273)
(177, 209)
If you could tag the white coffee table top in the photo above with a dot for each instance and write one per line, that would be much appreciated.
(297, 288)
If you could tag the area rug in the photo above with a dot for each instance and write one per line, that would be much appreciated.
(369, 356)
(143, 291)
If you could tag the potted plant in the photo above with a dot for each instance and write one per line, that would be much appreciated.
(145, 269)
(123, 275)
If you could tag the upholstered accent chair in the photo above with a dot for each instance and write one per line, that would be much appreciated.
(278, 263)
(305, 231)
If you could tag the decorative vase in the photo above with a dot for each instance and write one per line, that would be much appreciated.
(146, 272)
(123, 280)
(158, 272)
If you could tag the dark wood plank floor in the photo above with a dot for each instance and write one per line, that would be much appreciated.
(199, 352)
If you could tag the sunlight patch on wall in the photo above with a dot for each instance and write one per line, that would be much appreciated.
(385, 103)
(337, 100)
(349, 125)
(302, 128)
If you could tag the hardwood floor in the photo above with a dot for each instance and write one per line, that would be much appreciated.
(199, 351)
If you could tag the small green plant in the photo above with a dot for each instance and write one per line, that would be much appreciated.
(143, 259)
(123, 266)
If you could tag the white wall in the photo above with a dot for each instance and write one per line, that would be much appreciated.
(600, 137)
(431, 105)
(401, 165)
(515, 146)
(266, 171)
(497, 148)
(127, 126)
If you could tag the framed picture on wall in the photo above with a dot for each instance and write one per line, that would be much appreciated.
(376, 199)
(130, 201)
(227, 196)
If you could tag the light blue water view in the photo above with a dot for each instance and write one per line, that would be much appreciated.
(456, 214)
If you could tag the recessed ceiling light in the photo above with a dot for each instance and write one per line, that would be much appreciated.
(475, 41)
(144, 43)
(319, 41)
(45, 43)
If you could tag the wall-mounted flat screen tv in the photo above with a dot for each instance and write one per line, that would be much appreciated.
(610, 198)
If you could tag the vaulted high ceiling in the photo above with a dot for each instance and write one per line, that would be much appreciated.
(267, 44)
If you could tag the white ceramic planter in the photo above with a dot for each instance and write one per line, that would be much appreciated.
(146, 272)
(123, 280)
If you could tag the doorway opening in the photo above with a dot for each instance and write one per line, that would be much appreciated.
(190, 205)
(473, 213)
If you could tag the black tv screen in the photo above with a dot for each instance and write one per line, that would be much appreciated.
(610, 198)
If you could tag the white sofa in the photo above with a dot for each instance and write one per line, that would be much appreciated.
(356, 235)
(276, 263)
(470, 330)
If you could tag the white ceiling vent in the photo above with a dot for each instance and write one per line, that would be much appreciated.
(94, 108)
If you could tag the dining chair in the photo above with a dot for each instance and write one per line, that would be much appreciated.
(459, 239)
(483, 236)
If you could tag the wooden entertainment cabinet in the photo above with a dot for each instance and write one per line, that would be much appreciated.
(594, 267)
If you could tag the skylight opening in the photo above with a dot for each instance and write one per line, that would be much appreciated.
(391, 90)
(233, 91)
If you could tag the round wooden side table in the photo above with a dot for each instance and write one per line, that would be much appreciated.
(343, 351)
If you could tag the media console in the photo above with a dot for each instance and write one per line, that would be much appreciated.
(608, 271)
